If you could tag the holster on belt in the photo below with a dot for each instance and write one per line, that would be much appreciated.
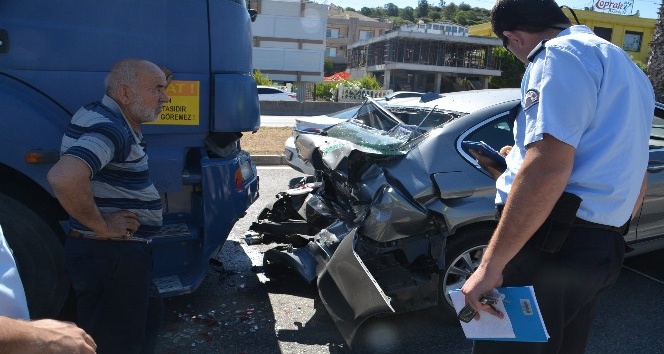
(551, 236)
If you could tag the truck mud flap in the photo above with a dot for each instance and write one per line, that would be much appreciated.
(349, 292)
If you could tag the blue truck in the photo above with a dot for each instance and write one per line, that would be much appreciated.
(54, 56)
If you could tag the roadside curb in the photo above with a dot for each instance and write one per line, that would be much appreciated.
(268, 160)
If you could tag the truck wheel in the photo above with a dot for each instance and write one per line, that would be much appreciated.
(38, 254)
(463, 256)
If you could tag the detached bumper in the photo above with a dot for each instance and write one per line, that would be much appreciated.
(349, 292)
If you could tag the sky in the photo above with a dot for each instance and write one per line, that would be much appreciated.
(647, 8)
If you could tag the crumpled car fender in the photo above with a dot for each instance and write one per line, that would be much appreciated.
(349, 292)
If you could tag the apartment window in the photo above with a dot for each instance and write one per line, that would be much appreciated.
(632, 41)
(604, 32)
(332, 33)
(330, 52)
(366, 34)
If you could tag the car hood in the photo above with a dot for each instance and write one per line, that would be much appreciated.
(316, 123)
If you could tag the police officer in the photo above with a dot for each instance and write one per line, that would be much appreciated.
(574, 177)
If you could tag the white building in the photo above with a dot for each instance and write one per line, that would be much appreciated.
(289, 40)
(446, 28)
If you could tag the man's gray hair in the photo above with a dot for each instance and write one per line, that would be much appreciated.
(123, 73)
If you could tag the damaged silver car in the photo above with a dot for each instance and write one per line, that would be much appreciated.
(395, 218)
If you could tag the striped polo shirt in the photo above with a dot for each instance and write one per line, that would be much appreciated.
(100, 136)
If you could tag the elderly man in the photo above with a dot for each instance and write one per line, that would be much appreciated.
(102, 181)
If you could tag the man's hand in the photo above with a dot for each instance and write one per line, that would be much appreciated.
(482, 281)
(44, 337)
(121, 223)
(488, 164)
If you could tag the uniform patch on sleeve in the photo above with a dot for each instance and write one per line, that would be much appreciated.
(532, 97)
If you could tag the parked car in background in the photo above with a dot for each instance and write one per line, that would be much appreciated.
(394, 220)
(267, 93)
(402, 94)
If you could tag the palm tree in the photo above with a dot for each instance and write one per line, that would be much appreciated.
(656, 60)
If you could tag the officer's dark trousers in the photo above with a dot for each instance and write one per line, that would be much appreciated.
(567, 285)
(116, 302)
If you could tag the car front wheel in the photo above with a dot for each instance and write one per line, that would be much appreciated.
(463, 256)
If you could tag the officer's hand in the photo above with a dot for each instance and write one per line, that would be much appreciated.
(51, 336)
(488, 164)
(482, 281)
(120, 224)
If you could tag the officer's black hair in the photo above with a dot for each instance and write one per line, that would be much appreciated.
(526, 15)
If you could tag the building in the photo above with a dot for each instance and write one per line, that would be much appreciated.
(425, 62)
(289, 40)
(347, 27)
(446, 28)
(632, 33)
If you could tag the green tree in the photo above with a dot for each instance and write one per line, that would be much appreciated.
(369, 82)
(511, 69)
(464, 7)
(378, 12)
(656, 60)
(449, 11)
(324, 91)
(328, 66)
(391, 10)
(261, 79)
(366, 11)
(398, 21)
(407, 13)
(461, 18)
(435, 15)
(422, 8)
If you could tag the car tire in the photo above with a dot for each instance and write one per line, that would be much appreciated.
(463, 255)
(38, 254)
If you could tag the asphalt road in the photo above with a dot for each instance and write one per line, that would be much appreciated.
(239, 310)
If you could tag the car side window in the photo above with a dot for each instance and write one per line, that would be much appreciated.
(657, 132)
(496, 134)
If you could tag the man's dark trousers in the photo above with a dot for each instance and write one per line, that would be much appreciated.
(567, 285)
(116, 301)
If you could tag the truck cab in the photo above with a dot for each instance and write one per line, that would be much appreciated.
(54, 57)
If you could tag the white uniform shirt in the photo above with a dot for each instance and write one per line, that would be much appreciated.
(12, 296)
(587, 93)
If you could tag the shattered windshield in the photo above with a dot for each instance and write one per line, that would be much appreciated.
(369, 139)
(389, 130)
(374, 130)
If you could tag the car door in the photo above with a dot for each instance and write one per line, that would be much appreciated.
(650, 222)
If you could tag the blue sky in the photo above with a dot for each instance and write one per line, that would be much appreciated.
(647, 8)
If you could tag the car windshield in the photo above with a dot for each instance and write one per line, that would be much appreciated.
(425, 118)
(373, 129)
(370, 140)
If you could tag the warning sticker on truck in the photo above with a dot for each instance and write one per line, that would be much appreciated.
(183, 106)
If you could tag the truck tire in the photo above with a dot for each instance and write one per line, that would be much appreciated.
(39, 257)
(463, 256)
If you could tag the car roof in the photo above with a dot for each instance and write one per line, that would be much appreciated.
(462, 101)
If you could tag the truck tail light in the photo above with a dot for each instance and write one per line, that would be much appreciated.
(239, 180)
(244, 173)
